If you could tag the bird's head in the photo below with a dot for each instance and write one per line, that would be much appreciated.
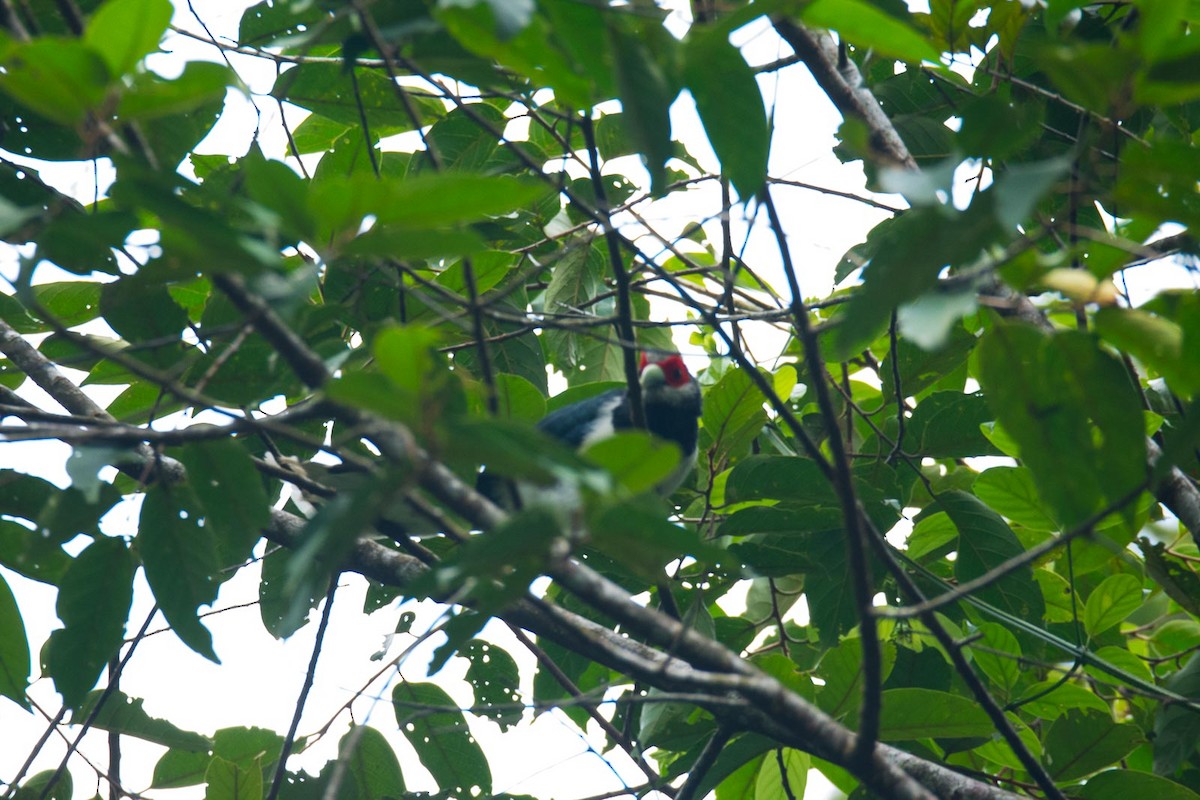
(666, 377)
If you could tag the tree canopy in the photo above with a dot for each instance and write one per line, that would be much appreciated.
(940, 540)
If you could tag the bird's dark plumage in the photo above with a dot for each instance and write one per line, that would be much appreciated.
(670, 398)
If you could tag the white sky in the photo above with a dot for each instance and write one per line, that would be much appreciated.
(258, 681)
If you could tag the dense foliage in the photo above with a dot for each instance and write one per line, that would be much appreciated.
(953, 511)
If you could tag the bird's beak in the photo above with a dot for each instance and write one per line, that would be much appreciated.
(652, 376)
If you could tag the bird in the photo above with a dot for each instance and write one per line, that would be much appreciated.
(672, 404)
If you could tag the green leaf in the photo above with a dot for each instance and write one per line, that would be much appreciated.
(495, 680)
(152, 97)
(519, 399)
(1113, 600)
(371, 763)
(465, 140)
(783, 775)
(1063, 698)
(1124, 783)
(224, 780)
(829, 588)
(1176, 728)
(636, 459)
(327, 89)
(984, 542)
(1012, 492)
(14, 649)
(867, 26)
(946, 425)
(919, 368)
(646, 99)
(93, 603)
(1047, 391)
(736, 766)
(842, 670)
(283, 612)
(181, 562)
(71, 302)
(921, 713)
(519, 42)
(1156, 341)
(779, 478)
(731, 107)
(124, 303)
(636, 535)
(125, 31)
(62, 79)
(230, 491)
(934, 533)
(436, 729)
(1020, 186)
(31, 555)
(998, 654)
(422, 201)
(905, 255)
(733, 412)
(1082, 742)
(125, 715)
(36, 787)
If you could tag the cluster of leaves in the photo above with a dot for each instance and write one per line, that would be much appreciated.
(427, 284)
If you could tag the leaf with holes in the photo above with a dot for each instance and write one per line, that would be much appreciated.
(437, 730)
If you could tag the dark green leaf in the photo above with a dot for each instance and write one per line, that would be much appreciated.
(1124, 783)
(921, 713)
(645, 99)
(867, 26)
(61, 79)
(779, 478)
(151, 97)
(436, 729)
(906, 254)
(740, 758)
(1176, 728)
(1112, 601)
(225, 780)
(731, 107)
(181, 562)
(231, 493)
(39, 786)
(14, 649)
(277, 603)
(1046, 390)
(125, 31)
(125, 303)
(636, 459)
(1012, 492)
(841, 668)
(93, 604)
(371, 763)
(984, 542)
(328, 89)
(1082, 742)
(946, 425)
(493, 676)
(125, 715)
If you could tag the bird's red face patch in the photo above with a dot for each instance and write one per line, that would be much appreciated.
(673, 368)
